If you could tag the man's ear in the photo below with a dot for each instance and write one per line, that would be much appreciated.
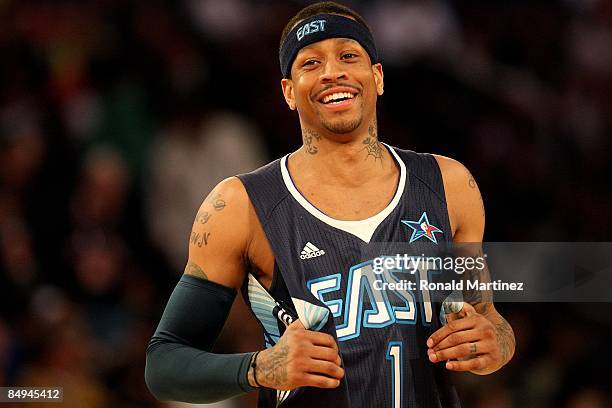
(379, 78)
(287, 85)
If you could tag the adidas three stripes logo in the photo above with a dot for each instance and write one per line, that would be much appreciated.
(311, 251)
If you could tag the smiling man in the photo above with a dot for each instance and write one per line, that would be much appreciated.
(292, 235)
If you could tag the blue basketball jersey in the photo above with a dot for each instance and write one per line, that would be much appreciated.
(324, 275)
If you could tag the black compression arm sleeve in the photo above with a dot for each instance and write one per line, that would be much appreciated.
(179, 365)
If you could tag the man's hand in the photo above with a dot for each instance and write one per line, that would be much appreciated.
(300, 358)
(472, 342)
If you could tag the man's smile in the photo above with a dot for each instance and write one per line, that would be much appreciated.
(338, 97)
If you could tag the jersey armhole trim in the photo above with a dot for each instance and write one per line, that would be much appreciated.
(268, 214)
(425, 183)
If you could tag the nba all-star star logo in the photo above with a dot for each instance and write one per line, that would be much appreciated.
(422, 228)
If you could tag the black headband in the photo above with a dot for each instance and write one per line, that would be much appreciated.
(318, 28)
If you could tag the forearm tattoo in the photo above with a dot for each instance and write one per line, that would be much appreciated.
(505, 339)
(474, 295)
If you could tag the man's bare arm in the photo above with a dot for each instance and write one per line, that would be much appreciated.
(220, 235)
(180, 365)
(467, 218)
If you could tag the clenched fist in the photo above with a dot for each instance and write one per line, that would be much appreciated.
(300, 358)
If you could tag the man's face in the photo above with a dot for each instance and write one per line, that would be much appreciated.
(334, 86)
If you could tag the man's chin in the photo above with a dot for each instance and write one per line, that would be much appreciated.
(342, 126)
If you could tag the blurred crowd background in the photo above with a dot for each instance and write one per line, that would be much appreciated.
(118, 117)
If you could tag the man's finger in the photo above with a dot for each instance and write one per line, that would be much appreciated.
(455, 316)
(451, 327)
(322, 339)
(325, 353)
(320, 381)
(326, 368)
(477, 363)
(296, 325)
(466, 310)
(465, 350)
(464, 336)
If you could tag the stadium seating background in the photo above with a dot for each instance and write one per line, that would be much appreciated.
(116, 119)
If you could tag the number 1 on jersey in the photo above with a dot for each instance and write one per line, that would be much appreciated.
(394, 354)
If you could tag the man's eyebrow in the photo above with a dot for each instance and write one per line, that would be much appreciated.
(343, 40)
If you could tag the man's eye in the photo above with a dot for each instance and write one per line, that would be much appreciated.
(309, 63)
(348, 55)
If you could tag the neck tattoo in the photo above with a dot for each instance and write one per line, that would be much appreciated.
(371, 144)
(309, 136)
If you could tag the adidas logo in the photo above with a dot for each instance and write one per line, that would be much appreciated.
(311, 251)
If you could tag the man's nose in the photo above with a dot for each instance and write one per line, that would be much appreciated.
(333, 71)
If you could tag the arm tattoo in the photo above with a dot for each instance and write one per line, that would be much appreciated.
(199, 239)
(194, 270)
(216, 201)
(307, 136)
(274, 367)
(472, 182)
(482, 300)
(482, 307)
(474, 295)
(372, 145)
(505, 339)
(202, 217)
(504, 334)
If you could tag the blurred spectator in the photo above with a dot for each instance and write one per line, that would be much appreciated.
(59, 350)
(189, 159)
(22, 148)
(589, 398)
(406, 31)
(67, 360)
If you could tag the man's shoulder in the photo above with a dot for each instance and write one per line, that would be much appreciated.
(414, 159)
(268, 177)
(422, 167)
(228, 190)
(265, 187)
(440, 173)
(466, 208)
(453, 171)
(267, 169)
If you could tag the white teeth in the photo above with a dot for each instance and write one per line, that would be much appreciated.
(337, 95)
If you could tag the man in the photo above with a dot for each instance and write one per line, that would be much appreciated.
(292, 235)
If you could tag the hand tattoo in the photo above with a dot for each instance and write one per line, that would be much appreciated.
(273, 367)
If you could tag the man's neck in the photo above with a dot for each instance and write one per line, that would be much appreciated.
(352, 162)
